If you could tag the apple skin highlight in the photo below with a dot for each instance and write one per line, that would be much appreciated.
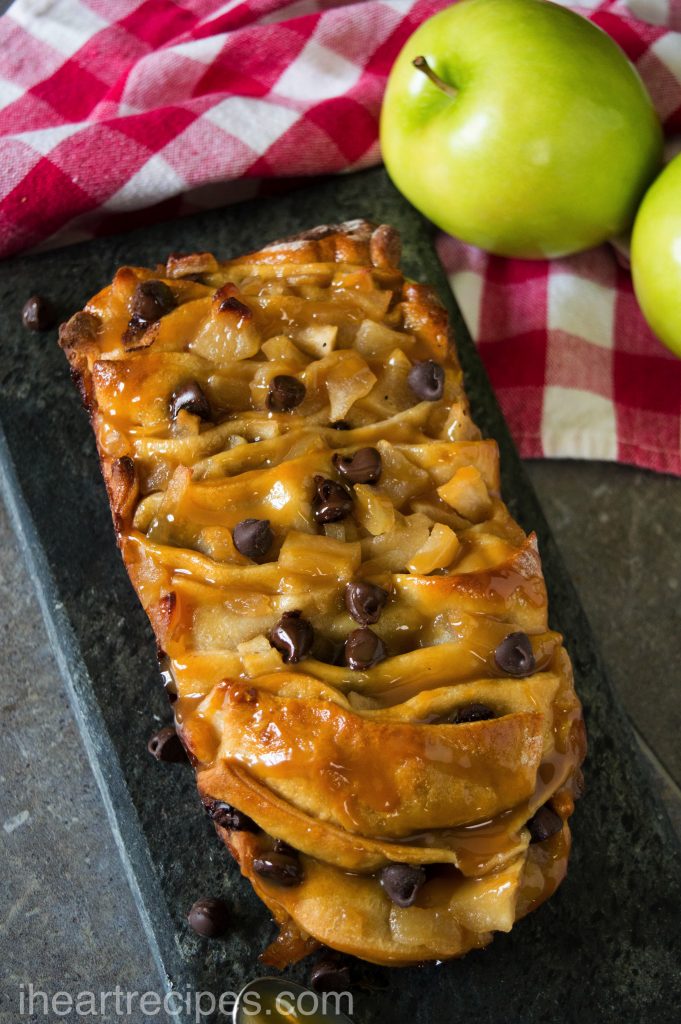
(656, 256)
(548, 144)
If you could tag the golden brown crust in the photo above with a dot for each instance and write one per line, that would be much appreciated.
(356, 768)
(120, 478)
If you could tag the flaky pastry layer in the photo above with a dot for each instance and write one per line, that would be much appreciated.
(353, 629)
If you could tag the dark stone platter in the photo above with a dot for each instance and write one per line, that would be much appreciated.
(606, 948)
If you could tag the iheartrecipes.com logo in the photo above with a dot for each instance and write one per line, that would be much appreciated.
(199, 1007)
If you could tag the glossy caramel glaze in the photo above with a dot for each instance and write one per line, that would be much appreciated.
(355, 768)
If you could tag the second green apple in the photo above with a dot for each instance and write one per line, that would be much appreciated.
(539, 139)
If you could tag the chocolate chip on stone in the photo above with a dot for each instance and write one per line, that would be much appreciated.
(285, 393)
(38, 313)
(331, 502)
(365, 602)
(253, 538)
(363, 648)
(209, 917)
(150, 301)
(282, 869)
(165, 745)
(331, 973)
(401, 882)
(472, 713)
(191, 398)
(364, 467)
(544, 824)
(292, 636)
(226, 816)
(427, 380)
(514, 655)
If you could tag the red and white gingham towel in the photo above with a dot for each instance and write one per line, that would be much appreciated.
(114, 112)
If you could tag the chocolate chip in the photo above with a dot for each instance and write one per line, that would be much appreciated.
(285, 393)
(514, 655)
(330, 974)
(544, 824)
(364, 467)
(38, 313)
(253, 538)
(280, 868)
(191, 398)
(363, 649)
(340, 425)
(292, 636)
(401, 882)
(331, 501)
(427, 380)
(150, 301)
(229, 817)
(209, 917)
(165, 745)
(471, 713)
(365, 602)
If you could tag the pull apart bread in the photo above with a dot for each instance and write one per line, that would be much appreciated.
(351, 627)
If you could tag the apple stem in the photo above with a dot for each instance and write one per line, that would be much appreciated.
(422, 64)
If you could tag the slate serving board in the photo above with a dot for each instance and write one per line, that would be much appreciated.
(606, 948)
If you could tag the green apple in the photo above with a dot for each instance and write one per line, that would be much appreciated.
(656, 256)
(523, 129)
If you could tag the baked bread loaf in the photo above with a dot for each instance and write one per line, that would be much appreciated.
(352, 628)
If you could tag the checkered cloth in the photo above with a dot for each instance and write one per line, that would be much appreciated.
(119, 112)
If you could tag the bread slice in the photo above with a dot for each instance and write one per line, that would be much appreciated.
(353, 629)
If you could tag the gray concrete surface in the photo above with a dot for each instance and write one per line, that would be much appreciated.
(67, 919)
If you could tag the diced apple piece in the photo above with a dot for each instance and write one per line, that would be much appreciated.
(374, 339)
(392, 392)
(281, 347)
(390, 552)
(435, 511)
(442, 458)
(467, 494)
(374, 511)
(228, 333)
(317, 340)
(374, 304)
(346, 530)
(335, 530)
(400, 478)
(319, 556)
(217, 543)
(193, 263)
(217, 628)
(459, 426)
(258, 656)
(483, 551)
(347, 378)
(228, 387)
(438, 552)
